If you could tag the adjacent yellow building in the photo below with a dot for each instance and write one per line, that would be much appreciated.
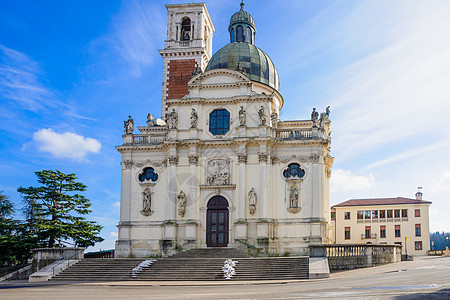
(400, 221)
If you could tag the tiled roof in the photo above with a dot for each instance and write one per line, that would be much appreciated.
(380, 201)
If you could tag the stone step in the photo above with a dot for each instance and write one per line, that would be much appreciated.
(206, 264)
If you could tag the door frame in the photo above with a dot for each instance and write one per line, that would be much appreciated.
(217, 206)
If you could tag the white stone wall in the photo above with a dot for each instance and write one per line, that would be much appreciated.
(272, 227)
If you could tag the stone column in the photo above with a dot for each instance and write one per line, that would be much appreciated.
(315, 195)
(171, 188)
(125, 194)
(242, 187)
(262, 157)
(194, 186)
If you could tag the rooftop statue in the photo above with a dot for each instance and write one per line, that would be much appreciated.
(129, 125)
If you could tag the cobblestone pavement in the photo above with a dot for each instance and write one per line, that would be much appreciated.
(424, 278)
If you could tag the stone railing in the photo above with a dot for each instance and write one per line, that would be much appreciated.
(370, 236)
(354, 256)
(294, 134)
(45, 256)
(185, 43)
(141, 139)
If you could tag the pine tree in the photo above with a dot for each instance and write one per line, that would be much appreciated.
(57, 210)
(16, 238)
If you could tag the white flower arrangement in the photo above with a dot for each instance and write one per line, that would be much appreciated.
(138, 269)
(229, 268)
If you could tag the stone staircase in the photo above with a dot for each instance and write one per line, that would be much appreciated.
(192, 265)
(99, 269)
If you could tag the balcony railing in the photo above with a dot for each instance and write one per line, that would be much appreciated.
(294, 134)
(368, 236)
(185, 44)
(148, 139)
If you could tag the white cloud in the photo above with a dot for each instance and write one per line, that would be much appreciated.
(443, 183)
(116, 204)
(409, 154)
(344, 180)
(65, 145)
(139, 26)
(114, 234)
(20, 81)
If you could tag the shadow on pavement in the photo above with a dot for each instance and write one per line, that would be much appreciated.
(443, 294)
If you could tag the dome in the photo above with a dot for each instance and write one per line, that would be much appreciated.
(256, 63)
(242, 16)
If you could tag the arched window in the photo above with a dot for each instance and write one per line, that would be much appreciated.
(219, 122)
(186, 29)
(248, 35)
(239, 34)
(232, 35)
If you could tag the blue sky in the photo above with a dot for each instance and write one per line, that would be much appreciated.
(72, 71)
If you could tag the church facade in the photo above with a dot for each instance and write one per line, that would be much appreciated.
(221, 169)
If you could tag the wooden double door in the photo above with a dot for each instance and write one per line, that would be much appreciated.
(217, 222)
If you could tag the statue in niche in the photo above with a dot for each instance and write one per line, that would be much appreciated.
(262, 116)
(194, 119)
(181, 204)
(242, 116)
(218, 172)
(274, 118)
(314, 117)
(252, 201)
(146, 203)
(129, 125)
(293, 197)
(173, 119)
(150, 120)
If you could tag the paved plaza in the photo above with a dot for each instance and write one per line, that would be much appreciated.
(424, 278)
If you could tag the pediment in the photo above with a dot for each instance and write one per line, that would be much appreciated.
(218, 76)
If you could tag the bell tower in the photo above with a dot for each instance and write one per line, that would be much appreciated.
(188, 46)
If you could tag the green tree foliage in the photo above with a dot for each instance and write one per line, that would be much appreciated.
(57, 210)
(16, 238)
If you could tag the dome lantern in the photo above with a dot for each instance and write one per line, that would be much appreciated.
(242, 27)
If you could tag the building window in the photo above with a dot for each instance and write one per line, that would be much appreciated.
(347, 233)
(347, 215)
(382, 214)
(417, 212)
(360, 215)
(383, 231)
(248, 35)
(398, 243)
(374, 214)
(397, 230)
(294, 170)
(397, 213)
(418, 230)
(333, 215)
(232, 35)
(186, 29)
(404, 213)
(367, 215)
(367, 232)
(148, 174)
(219, 122)
(418, 245)
(239, 34)
(389, 214)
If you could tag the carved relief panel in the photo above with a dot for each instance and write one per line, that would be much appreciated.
(218, 172)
